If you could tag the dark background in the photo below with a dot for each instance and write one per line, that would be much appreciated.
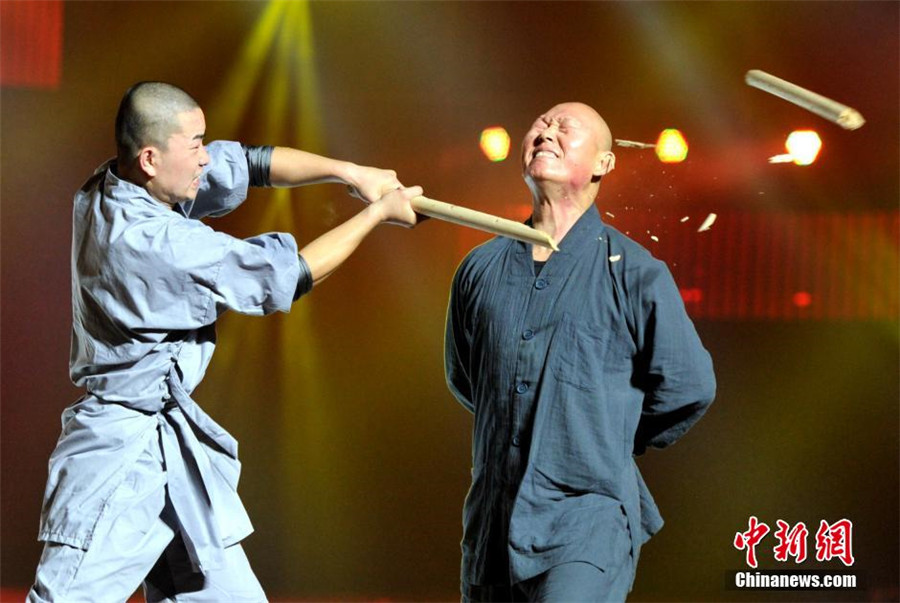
(356, 457)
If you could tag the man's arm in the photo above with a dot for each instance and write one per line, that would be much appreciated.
(456, 347)
(293, 167)
(287, 167)
(676, 370)
(326, 253)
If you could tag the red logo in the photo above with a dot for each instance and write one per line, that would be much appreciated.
(833, 540)
(749, 539)
(791, 542)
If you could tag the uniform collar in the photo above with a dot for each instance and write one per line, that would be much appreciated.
(124, 190)
(588, 227)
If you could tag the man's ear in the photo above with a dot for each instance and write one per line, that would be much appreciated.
(148, 161)
(606, 163)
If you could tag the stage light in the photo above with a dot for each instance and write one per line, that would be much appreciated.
(495, 143)
(671, 147)
(692, 295)
(803, 146)
(802, 299)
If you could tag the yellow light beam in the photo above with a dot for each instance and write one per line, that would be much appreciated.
(229, 106)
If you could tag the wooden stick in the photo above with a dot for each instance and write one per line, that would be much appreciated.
(634, 145)
(482, 221)
(833, 111)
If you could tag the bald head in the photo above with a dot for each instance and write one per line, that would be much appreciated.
(148, 115)
(567, 151)
(591, 119)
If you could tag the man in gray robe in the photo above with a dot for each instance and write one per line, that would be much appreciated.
(142, 483)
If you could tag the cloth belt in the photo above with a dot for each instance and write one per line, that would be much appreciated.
(202, 473)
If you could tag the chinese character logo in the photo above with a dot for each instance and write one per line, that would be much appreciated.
(749, 539)
(833, 541)
(791, 542)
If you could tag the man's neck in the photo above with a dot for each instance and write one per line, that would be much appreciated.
(135, 176)
(556, 216)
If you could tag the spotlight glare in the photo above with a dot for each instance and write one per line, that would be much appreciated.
(804, 146)
(671, 147)
(802, 299)
(691, 295)
(495, 143)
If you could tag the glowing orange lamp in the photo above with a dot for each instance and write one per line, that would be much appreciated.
(671, 147)
(803, 146)
(495, 143)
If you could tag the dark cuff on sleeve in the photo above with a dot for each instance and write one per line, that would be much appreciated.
(259, 162)
(305, 282)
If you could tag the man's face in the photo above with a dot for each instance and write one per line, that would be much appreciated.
(563, 146)
(180, 165)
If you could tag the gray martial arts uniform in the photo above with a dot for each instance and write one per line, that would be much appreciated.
(569, 373)
(148, 283)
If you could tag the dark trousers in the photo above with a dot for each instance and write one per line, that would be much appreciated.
(567, 583)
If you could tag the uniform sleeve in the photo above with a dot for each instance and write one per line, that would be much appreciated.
(256, 276)
(456, 345)
(176, 273)
(674, 369)
(224, 183)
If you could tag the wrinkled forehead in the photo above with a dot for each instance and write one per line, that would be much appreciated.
(578, 111)
(584, 114)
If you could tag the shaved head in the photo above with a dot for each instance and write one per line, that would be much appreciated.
(604, 136)
(148, 116)
(566, 152)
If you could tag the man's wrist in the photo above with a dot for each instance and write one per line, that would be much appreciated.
(346, 171)
(376, 211)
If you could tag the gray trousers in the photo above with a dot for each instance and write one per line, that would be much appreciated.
(137, 540)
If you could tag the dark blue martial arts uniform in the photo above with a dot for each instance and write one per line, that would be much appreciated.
(570, 373)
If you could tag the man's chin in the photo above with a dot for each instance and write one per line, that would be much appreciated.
(539, 174)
